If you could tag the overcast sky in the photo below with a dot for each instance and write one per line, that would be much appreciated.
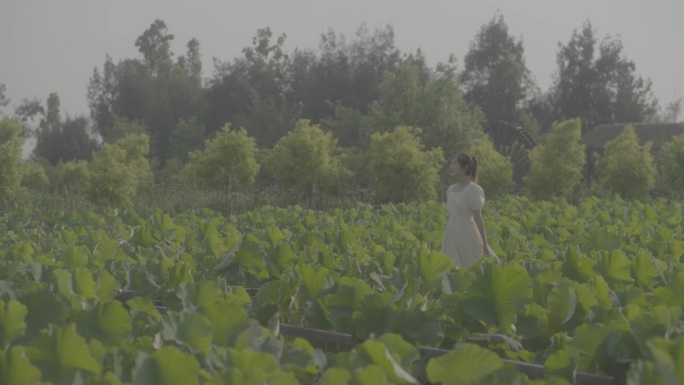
(54, 45)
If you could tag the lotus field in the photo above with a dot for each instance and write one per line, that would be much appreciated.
(575, 288)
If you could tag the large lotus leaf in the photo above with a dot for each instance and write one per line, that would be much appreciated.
(599, 239)
(644, 270)
(251, 368)
(577, 267)
(498, 293)
(418, 326)
(314, 278)
(12, 325)
(561, 305)
(178, 273)
(44, 309)
(336, 376)
(371, 375)
(469, 364)
(595, 345)
(671, 294)
(166, 366)
(16, 369)
(668, 358)
(302, 359)
(107, 322)
(376, 353)
(59, 353)
(533, 321)
(614, 267)
(107, 287)
(432, 265)
(73, 256)
(374, 314)
(339, 307)
(228, 319)
(80, 283)
(403, 352)
(251, 255)
(658, 322)
(193, 330)
(644, 372)
(197, 296)
(560, 363)
(601, 291)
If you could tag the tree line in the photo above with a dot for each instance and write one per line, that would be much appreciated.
(356, 92)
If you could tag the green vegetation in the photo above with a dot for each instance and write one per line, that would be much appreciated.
(576, 288)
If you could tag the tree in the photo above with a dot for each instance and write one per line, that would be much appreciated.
(626, 168)
(556, 164)
(187, 136)
(495, 76)
(495, 170)
(117, 171)
(10, 157)
(4, 100)
(598, 84)
(254, 91)
(437, 107)
(672, 166)
(307, 160)
(228, 161)
(402, 170)
(154, 45)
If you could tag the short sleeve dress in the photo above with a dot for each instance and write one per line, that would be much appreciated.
(461, 240)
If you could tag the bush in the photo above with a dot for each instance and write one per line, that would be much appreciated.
(401, 170)
(308, 161)
(227, 162)
(626, 168)
(118, 170)
(556, 164)
(34, 176)
(10, 157)
(495, 170)
(672, 166)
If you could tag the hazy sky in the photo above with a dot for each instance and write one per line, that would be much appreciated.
(54, 45)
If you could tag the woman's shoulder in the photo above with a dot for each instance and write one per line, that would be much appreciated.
(476, 187)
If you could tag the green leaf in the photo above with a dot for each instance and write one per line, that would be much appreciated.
(375, 353)
(417, 325)
(60, 352)
(314, 278)
(432, 265)
(643, 270)
(533, 321)
(591, 342)
(470, 364)
(561, 305)
(374, 314)
(43, 309)
(107, 287)
(403, 352)
(615, 267)
(498, 293)
(370, 375)
(668, 358)
(166, 366)
(79, 283)
(16, 369)
(335, 376)
(577, 267)
(250, 367)
(193, 330)
(107, 322)
(12, 325)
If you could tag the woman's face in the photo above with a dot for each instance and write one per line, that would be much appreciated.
(456, 169)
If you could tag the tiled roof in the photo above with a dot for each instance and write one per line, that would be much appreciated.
(657, 133)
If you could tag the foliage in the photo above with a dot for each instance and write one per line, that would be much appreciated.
(437, 107)
(401, 169)
(34, 176)
(118, 170)
(672, 165)
(308, 160)
(556, 164)
(10, 156)
(597, 84)
(228, 161)
(626, 168)
(495, 76)
(70, 176)
(495, 172)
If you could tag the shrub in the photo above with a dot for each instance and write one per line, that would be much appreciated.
(495, 170)
(556, 164)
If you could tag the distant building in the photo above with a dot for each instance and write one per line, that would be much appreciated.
(596, 139)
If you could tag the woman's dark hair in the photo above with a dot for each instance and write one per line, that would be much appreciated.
(469, 163)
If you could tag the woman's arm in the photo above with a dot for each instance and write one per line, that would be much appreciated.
(479, 222)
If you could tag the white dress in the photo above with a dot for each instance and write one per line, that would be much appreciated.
(461, 240)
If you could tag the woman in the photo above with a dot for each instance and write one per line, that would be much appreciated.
(465, 239)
